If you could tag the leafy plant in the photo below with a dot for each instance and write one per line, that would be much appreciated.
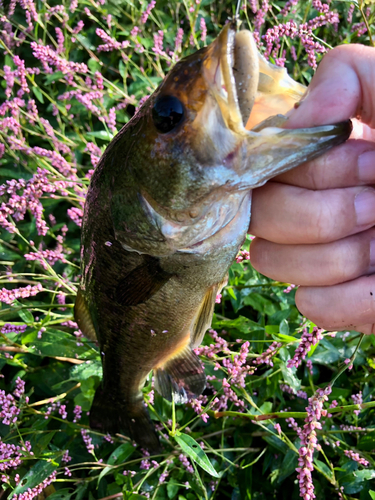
(72, 74)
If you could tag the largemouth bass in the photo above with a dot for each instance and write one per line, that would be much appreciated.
(167, 210)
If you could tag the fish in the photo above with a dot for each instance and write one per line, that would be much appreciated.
(167, 210)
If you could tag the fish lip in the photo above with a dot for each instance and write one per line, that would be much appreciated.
(230, 57)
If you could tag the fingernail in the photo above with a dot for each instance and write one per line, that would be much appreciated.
(365, 207)
(372, 255)
(366, 166)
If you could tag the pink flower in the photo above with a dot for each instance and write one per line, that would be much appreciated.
(203, 28)
(266, 356)
(309, 442)
(356, 457)
(307, 341)
(110, 43)
(147, 12)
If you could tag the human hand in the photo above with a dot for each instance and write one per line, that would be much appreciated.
(314, 225)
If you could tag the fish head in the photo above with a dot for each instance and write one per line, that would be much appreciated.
(212, 132)
(192, 134)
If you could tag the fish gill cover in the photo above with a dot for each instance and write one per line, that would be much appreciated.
(73, 74)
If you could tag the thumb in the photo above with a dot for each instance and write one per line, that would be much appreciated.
(342, 88)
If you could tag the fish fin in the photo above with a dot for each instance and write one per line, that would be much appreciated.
(203, 318)
(181, 378)
(83, 317)
(142, 282)
(114, 415)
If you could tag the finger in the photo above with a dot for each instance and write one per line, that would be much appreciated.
(316, 265)
(339, 307)
(350, 164)
(367, 329)
(342, 88)
(292, 215)
(362, 131)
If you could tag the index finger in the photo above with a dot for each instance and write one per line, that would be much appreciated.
(342, 88)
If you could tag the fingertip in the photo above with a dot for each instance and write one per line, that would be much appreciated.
(333, 95)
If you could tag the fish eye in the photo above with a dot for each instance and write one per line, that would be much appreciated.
(167, 113)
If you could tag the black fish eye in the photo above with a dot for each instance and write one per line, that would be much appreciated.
(167, 113)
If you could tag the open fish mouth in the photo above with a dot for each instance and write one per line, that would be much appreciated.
(251, 93)
(240, 77)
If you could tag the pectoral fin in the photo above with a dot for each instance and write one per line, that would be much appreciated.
(142, 283)
(83, 317)
(203, 318)
(181, 378)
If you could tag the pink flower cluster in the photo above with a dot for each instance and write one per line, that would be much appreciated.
(357, 400)
(289, 390)
(309, 442)
(110, 43)
(19, 391)
(66, 458)
(238, 368)
(356, 457)
(9, 410)
(267, 355)
(307, 341)
(18, 204)
(77, 413)
(243, 255)
(147, 12)
(50, 256)
(48, 57)
(9, 296)
(303, 31)
(87, 440)
(11, 456)
(11, 328)
(186, 463)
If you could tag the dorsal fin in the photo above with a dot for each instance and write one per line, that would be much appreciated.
(83, 317)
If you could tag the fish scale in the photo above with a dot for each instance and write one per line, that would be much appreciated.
(167, 210)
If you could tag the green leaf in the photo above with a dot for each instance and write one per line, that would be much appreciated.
(118, 456)
(36, 475)
(93, 65)
(58, 343)
(276, 442)
(194, 451)
(48, 79)
(172, 488)
(122, 69)
(365, 474)
(121, 454)
(101, 134)
(38, 94)
(266, 407)
(286, 338)
(260, 303)
(87, 370)
(284, 327)
(288, 465)
(26, 316)
(290, 377)
(85, 42)
(372, 494)
(324, 468)
(63, 494)
(312, 350)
